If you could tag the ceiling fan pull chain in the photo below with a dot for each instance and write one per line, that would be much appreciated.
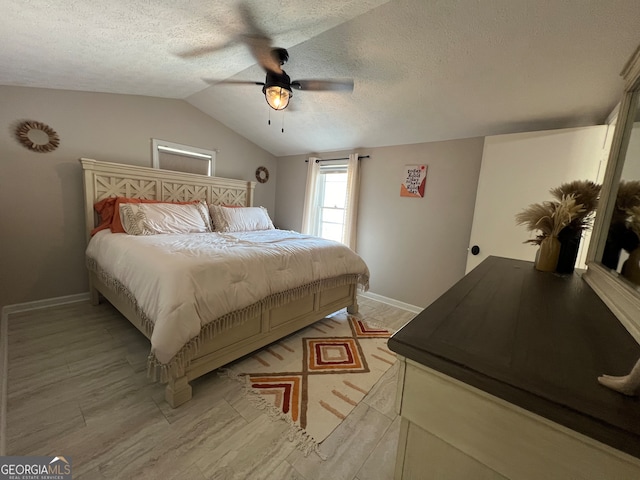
(282, 122)
(269, 122)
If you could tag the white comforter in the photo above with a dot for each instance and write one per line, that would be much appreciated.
(184, 281)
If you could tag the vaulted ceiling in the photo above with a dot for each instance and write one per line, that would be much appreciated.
(424, 70)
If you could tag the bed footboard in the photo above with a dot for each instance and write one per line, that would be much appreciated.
(267, 327)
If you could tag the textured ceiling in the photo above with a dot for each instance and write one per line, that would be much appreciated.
(424, 70)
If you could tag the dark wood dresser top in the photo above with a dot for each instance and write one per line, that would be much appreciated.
(535, 339)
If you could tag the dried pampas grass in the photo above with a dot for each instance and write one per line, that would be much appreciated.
(633, 220)
(549, 217)
(586, 193)
(628, 198)
(537, 216)
(573, 208)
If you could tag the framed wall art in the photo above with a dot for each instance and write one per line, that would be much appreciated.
(414, 180)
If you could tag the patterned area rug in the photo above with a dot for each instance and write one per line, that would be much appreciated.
(314, 378)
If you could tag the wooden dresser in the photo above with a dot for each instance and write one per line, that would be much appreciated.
(498, 380)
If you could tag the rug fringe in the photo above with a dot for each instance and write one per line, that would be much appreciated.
(373, 324)
(304, 442)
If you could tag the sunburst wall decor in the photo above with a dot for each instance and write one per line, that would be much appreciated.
(37, 128)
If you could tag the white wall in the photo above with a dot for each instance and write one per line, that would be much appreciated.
(41, 221)
(416, 248)
(518, 170)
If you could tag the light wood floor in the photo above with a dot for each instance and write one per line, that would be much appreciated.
(77, 387)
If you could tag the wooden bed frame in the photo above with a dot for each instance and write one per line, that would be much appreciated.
(105, 179)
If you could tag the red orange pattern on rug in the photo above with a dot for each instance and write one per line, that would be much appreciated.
(314, 378)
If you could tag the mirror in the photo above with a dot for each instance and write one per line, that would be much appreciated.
(614, 253)
(621, 251)
(37, 136)
(262, 174)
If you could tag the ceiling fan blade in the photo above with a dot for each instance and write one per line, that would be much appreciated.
(213, 81)
(205, 50)
(344, 85)
(257, 40)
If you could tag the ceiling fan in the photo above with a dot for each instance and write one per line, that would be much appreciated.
(277, 87)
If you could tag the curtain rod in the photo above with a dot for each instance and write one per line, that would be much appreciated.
(318, 160)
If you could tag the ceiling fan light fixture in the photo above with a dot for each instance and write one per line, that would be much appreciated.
(277, 97)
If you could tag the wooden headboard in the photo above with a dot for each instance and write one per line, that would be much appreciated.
(106, 179)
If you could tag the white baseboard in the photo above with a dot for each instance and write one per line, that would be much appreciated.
(394, 303)
(4, 349)
(45, 303)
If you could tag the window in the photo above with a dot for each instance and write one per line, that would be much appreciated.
(182, 158)
(331, 199)
(331, 191)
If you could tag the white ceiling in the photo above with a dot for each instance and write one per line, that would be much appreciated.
(424, 70)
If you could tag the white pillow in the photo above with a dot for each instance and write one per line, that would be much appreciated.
(240, 219)
(155, 218)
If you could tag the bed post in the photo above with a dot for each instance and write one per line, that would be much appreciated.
(353, 308)
(89, 217)
(94, 295)
(178, 391)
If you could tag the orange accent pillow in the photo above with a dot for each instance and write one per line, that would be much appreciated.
(109, 211)
(104, 208)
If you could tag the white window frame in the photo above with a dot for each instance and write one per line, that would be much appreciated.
(326, 169)
(309, 212)
(203, 154)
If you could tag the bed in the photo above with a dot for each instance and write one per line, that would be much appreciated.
(221, 336)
